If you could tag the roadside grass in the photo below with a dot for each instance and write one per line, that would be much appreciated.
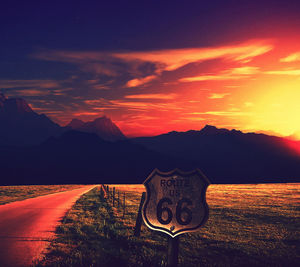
(21, 192)
(250, 225)
(94, 233)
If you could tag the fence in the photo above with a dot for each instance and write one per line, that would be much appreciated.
(118, 199)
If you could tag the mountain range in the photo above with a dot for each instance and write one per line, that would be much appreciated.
(20, 125)
(35, 150)
(232, 156)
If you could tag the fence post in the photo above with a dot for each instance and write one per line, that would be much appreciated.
(124, 205)
(139, 218)
(118, 198)
(114, 191)
(101, 192)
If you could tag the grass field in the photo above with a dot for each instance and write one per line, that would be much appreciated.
(249, 225)
(21, 192)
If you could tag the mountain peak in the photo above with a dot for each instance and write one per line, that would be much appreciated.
(210, 129)
(14, 106)
(102, 126)
(20, 125)
(75, 123)
(102, 119)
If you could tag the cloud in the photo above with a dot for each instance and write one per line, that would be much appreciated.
(97, 102)
(291, 72)
(31, 92)
(131, 105)
(192, 119)
(152, 96)
(86, 113)
(218, 95)
(291, 58)
(210, 78)
(31, 87)
(29, 83)
(98, 63)
(141, 81)
(145, 66)
(246, 70)
(230, 74)
(222, 113)
(173, 59)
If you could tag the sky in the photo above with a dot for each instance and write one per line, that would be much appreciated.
(156, 66)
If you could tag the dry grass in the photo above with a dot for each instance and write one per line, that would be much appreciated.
(251, 225)
(21, 192)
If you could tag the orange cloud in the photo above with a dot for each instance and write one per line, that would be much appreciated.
(210, 78)
(141, 81)
(246, 70)
(222, 113)
(172, 59)
(98, 101)
(164, 60)
(231, 74)
(291, 58)
(77, 114)
(147, 105)
(218, 95)
(152, 96)
(284, 72)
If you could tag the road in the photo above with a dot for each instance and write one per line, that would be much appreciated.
(27, 227)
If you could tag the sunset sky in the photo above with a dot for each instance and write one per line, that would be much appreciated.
(156, 66)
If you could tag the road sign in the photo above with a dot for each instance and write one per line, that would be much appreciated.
(175, 201)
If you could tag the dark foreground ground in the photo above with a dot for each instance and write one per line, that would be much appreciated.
(249, 225)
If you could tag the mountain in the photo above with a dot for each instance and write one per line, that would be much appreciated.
(78, 157)
(231, 156)
(20, 125)
(35, 150)
(103, 127)
(75, 124)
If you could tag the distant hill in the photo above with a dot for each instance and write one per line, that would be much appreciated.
(231, 156)
(102, 126)
(78, 157)
(20, 125)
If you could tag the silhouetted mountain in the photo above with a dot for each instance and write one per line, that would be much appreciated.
(20, 125)
(75, 124)
(61, 156)
(103, 127)
(231, 156)
(78, 157)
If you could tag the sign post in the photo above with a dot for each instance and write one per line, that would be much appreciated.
(175, 204)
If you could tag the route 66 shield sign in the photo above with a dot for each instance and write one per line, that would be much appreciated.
(175, 201)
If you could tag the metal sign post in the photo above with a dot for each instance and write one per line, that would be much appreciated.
(175, 204)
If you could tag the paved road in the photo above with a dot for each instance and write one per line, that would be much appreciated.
(27, 227)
